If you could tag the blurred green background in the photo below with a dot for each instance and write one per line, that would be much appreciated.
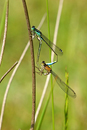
(72, 39)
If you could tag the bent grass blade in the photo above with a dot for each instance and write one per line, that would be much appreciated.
(8, 71)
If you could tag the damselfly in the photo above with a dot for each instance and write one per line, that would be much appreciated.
(41, 38)
(63, 86)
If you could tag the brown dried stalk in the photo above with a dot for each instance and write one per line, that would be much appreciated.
(33, 66)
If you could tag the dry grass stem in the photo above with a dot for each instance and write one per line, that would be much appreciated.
(57, 26)
(33, 65)
(8, 71)
(5, 32)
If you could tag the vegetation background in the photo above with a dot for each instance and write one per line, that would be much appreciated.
(72, 39)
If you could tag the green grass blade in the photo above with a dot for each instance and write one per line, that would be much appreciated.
(48, 21)
(66, 102)
(50, 61)
(44, 110)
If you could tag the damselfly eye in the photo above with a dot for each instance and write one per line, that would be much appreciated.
(43, 62)
(33, 28)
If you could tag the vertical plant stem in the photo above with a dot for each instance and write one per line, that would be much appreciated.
(51, 67)
(5, 31)
(52, 104)
(66, 102)
(57, 25)
(48, 21)
(33, 66)
(2, 20)
(44, 109)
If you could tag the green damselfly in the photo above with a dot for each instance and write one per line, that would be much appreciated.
(41, 37)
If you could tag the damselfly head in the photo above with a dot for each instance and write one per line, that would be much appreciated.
(43, 63)
(33, 28)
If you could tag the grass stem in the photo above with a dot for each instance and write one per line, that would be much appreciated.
(66, 102)
(50, 61)
(5, 29)
(33, 66)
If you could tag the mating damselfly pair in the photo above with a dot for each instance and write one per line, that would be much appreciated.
(45, 66)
